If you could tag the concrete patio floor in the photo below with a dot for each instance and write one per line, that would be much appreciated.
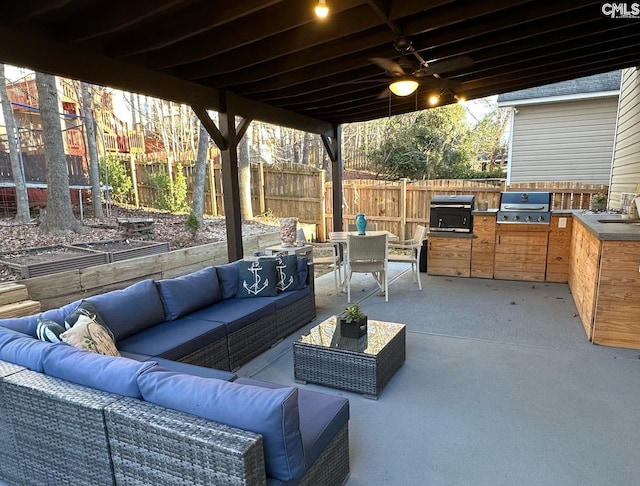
(500, 387)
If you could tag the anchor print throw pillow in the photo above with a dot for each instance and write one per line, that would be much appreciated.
(257, 278)
(287, 273)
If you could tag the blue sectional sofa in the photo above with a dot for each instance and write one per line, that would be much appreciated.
(169, 410)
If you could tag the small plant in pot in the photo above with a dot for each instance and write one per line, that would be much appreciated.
(598, 202)
(353, 322)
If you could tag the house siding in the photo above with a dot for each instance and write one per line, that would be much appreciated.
(564, 141)
(625, 174)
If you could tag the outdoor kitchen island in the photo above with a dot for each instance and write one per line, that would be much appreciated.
(604, 277)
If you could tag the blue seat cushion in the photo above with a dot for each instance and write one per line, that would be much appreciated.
(283, 299)
(273, 413)
(228, 279)
(129, 311)
(190, 292)
(21, 349)
(322, 416)
(174, 339)
(187, 368)
(236, 313)
(113, 374)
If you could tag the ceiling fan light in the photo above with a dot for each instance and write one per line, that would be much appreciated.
(460, 99)
(434, 99)
(322, 10)
(403, 86)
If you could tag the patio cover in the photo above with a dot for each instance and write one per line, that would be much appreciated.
(274, 61)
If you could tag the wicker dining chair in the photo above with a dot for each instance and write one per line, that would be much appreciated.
(368, 254)
(408, 251)
(325, 255)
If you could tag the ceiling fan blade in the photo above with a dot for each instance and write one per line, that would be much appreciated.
(388, 65)
(440, 67)
(384, 94)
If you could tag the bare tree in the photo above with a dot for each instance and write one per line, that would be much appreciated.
(197, 205)
(59, 216)
(94, 161)
(22, 199)
(244, 177)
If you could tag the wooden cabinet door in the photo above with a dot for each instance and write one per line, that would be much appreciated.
(559, 250)
(521, 252)
(483, 246)
(449, 256)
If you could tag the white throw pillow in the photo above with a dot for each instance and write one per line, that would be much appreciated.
(87, 334)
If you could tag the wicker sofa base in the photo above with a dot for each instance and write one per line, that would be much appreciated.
(65, 433)
(251, 341)
(214, 355)
(295, 315)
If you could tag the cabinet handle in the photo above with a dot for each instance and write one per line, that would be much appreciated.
(499, 239)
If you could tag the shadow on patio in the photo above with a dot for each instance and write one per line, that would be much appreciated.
(500, 387)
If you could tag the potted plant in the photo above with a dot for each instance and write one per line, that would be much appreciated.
(598, 202)
(353, 322)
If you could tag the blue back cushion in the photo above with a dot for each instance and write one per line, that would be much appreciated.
(23, 350)
(287, 273)
(257, 278)
(303, 271)
(131, 310)
(273, 413)
(114, 374)
(228, 279)
(183, 295)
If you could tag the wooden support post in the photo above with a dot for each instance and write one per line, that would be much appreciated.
(333, 145)
(321, 234)
(403, 206)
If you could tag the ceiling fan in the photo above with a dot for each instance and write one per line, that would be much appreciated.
(406, 75)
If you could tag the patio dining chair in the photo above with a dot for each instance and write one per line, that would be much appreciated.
(408, 251)
(325, 255)
(368, 254)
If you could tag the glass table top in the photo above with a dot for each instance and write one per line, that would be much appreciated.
(327, 335)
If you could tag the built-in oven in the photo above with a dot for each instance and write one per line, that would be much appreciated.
(451, 213)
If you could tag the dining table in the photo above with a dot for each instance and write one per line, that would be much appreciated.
(341, 236)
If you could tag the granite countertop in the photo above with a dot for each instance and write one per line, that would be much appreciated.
(629, 231)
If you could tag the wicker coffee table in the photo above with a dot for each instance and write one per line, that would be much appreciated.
(362, 365)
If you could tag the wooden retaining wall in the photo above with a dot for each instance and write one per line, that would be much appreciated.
(62, 288)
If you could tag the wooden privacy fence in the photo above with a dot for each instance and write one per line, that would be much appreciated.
(285, 190)
(399, 206)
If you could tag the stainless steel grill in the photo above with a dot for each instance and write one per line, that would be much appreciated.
(451, 213)
(525, 208)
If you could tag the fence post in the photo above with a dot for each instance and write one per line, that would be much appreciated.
(212, 190)
(134, 180)
(263, 208)
(403, 206)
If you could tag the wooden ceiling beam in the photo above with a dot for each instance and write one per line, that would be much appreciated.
(335, 56)
(87, 26)
(348, 23)
(195, 20)
(244, 31)
(30, 9)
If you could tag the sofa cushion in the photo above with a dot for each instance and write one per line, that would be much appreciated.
(236, 313)
(187, 368)
(322, 416)
(257, 278)
(130, 310)
(29, 324)
(273, 413)
(174, 339)
(108, 373)
(49, 330)
(303, 271)
(287, 273)
(90, 335)
(283, 299)
(187, 293)
(84, 308)
(21, 349)
(228, 279)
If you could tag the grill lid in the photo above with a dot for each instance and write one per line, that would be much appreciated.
(525, 207)
(457, 201)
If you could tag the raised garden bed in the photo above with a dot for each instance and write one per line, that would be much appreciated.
(118, 250)
(44, 260)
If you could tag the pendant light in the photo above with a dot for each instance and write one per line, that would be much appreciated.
(322, 10)
(403, 86)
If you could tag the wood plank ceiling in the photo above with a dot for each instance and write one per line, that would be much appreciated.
(276, 61)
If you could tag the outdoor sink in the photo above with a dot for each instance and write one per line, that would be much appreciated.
(625, 221)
